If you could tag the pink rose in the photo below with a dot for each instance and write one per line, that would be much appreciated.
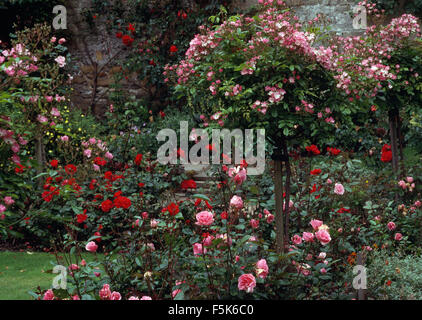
(240, 177)
(391, 225)
(398, 236)
(175, 293)
(91, 246)
(323, 236)
(105, 293)
(108, 155)
(236, 202)
(204, 218)
(48, 295)
(338, 189)
(197, 249)
(64, 138)
(297, 239)
(316, 224)
(270, 218)
(62, 40)
(261, 269)
(322, 255)
(8, 200)
(146, 298)
(115, 296)
(133, 298)
(409, 179)
(308, 236)
(323, 270)
(254, 223)
(246, 282)
(76, 297)
(154, 223)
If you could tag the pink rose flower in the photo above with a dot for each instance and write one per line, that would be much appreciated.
(48, 295)
(204, 218)
(391, 225)
(9, 200)
(270, 218)
(297, 239)
(308, 236)
(115, 296)
(236, 202)
(398, 236)
(254, 223)
(154, 223)
(105, 292)
(146, 298)
(64, 138)
(175, 293)
(246, 282)
(261, 269)
(323, 270)
(133, 298)
(91, 246)
(197, 249)
(323, 236)
(338, 189)
(316, 224)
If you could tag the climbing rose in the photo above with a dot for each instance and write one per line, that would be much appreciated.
(261, 269)
(204, 218)
(91, 246)
(246, 282)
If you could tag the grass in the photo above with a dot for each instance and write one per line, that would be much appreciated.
(21, 272)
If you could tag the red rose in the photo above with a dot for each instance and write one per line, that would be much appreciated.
(315, 172)
(173, 48)
(54, 163)
(127, 40)
(119, 35)
(386, 154)
(131, 28)
(138, 159)
(188, 184)
(100, 161)
(19, 168)
(313, 149)
(70, 169)
(81, 217)
(106, 205)
(173, 209)
(333, 151)
(122, 202)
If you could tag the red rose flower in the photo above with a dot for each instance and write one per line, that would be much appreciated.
(386, 154)
(315, 172)
(333, 151)
(127, 40)
(173, 48)
(119, 35)
(313, 149)
(173, 209)
(54, 163)
(81, 217)
(138, 159)
(100, 161)
(122, 202)
(106, 205)
(70, 169)
(188, 184)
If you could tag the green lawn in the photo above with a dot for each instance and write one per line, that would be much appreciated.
(21, 272)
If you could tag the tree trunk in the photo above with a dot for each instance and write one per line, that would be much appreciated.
(278, 190)
(287, 187)
(40, 155)
(392, 118)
